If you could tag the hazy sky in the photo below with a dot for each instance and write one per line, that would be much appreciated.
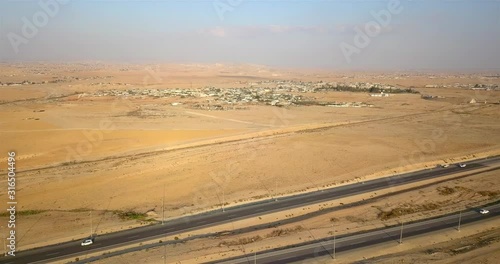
(450, 34)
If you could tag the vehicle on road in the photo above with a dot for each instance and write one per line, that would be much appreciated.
(483, 211)
(445, 165)
(87, 242)
(462, 165)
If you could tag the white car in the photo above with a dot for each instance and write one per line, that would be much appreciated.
(88, 241)
(483, 211)
(462, 165)
(444, 165)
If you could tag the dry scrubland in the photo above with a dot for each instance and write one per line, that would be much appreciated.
(348, 215)
(128, 151)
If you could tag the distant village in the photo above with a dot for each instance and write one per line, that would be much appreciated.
(477, 86)
(278, 93)
(274, 93)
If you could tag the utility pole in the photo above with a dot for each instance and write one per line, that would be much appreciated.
(91, 227)
(459, 220)
(4, 246)
(163, 206)
(165, 249)
(334, 231)
(275, 189)
(401, 235)
(165, 254)
(223, 200)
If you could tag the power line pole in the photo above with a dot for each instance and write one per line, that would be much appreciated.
(91, 226)
(334, 231)
(223, 200)
(4, 246)
(165, 249)
(165, 254)
(275, 189)
(163, 206)
(401, 235)
(459, 220)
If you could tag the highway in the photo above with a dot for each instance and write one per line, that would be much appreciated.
(188, 223)
(350, 242)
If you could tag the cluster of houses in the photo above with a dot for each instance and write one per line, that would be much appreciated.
(230, 96)
(302, 86)
(284, 94)
(475, 86)
(268, 92)
(63, 79)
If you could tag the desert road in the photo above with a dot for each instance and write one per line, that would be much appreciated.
(350, 242)
(193, 222)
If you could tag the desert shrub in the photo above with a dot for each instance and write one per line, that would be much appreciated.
(407, 209)
(446, 190)
(490, 194)
(284, 231)
(24, 212)
(241, 241)
(130, 215)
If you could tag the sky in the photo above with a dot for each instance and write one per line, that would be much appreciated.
(332, 34)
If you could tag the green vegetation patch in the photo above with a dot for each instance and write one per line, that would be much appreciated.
(130, 215)
(24, 212)
(79, 210)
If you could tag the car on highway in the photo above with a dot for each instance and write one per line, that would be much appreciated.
(87, 242)
(462, 165)
(444, 165)
(483, 211)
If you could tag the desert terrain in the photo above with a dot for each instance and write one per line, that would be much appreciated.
(112, 143)
(343, 216)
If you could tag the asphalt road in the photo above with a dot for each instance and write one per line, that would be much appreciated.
(344, 243)
(109, 241)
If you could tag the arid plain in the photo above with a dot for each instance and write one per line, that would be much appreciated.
(85, 142)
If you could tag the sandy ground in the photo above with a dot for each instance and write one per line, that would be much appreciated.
(445, 248)
(315, 222)
(476, 243)
(105, 154)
